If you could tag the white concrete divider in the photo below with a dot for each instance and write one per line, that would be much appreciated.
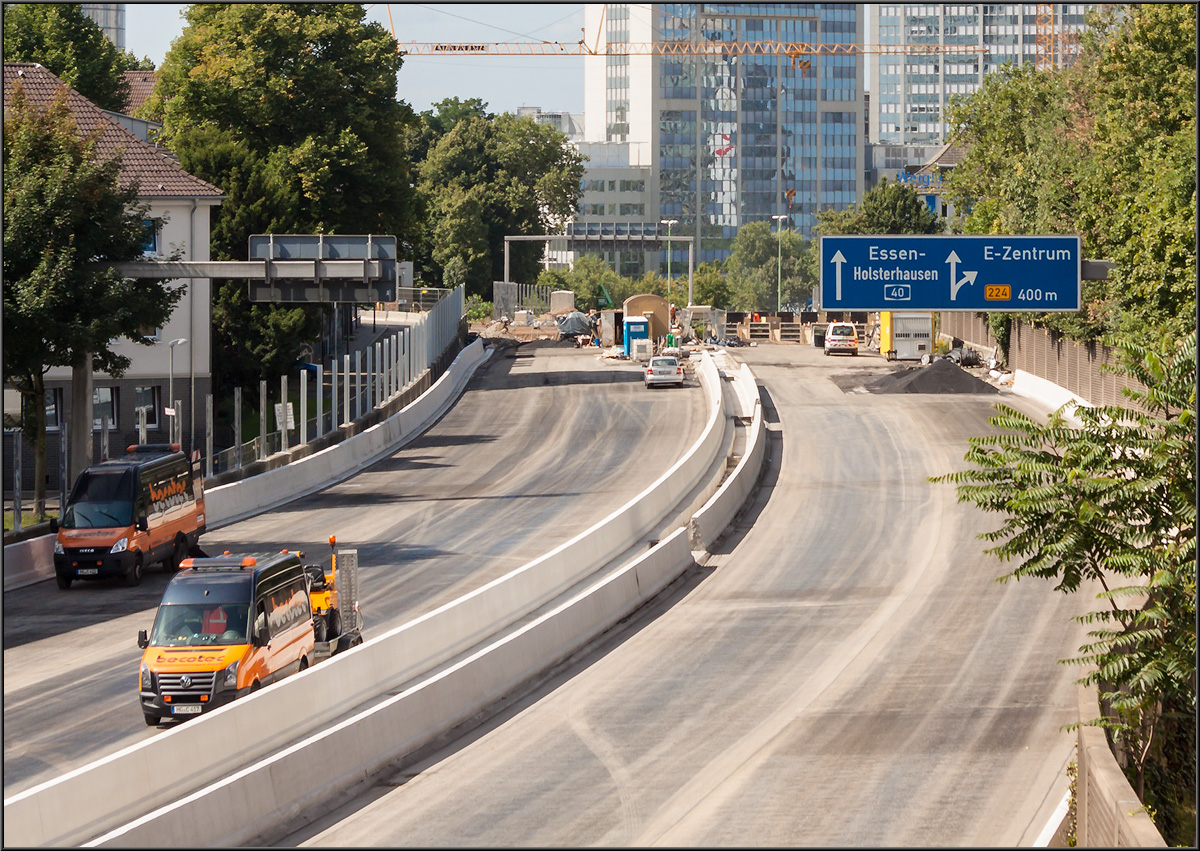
(237, 500)
(28, 561)
(710, 521)
(119, 788)
(283, 787)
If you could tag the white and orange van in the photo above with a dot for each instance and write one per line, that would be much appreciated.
(127, 513)
(226, 627)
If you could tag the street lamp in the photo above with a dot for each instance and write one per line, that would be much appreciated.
(779, 274)
(171, 385)
(668, 223)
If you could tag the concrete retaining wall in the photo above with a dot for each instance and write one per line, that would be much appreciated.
(122, 787)
(1107, 811)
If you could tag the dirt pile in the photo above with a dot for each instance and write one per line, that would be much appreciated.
(941, 376)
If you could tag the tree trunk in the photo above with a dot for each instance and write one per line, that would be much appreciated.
(81, 419)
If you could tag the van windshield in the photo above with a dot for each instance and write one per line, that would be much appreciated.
(100, 499)
(196, 624)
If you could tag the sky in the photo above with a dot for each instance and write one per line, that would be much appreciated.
(505, 83)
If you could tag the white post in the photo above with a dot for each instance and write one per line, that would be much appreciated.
(320, 399)
(303, 406)
(345, 389)
(358, 388)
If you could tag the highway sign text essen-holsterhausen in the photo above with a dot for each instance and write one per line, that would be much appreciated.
(994, 273)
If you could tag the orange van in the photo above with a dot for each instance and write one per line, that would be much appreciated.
(127, 513)
(226, 627)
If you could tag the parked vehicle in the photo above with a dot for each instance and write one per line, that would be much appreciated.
(841, 337)
(230, 625)
(127, 513)
(664, 369)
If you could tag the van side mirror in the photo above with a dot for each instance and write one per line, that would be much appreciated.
(54, 524)
(143, 640)
(260, 638)
(143, 524)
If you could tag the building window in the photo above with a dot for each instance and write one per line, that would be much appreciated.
(150, 246)
(53, 408)
(147, 397)
(104, 404)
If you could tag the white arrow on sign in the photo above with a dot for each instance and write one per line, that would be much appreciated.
(838, 259)
(967, 278)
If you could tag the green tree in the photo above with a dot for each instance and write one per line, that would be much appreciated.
(441, 119)
(59, 37)
(753, 268)
(524, 177)
(291, 109)
(63, 211)
(1111, 501)
(589, 278)
(710, 286)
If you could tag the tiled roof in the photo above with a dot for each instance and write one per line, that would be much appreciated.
(157, 175)
(141, 84)
(948, 156)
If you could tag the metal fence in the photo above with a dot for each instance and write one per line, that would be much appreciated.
(509, 297)
(342, 389)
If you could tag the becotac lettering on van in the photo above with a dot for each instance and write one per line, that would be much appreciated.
(167, 495)
(203, 657)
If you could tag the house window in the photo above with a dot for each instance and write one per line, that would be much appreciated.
(104, 404)
(147, 397)
(150, 246)
(53, 409)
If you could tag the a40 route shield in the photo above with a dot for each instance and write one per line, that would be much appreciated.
(993, 273)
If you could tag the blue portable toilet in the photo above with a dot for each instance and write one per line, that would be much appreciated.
(635, 328)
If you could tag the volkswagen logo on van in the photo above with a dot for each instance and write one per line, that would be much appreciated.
(185, 681)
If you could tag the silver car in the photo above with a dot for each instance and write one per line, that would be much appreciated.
(664, 369)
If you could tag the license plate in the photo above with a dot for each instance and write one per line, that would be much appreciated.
(186, 709)
(87, 571)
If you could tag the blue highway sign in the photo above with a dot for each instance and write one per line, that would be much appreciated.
(994, 273)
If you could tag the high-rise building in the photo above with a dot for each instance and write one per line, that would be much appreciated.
(723, 140)
(110, 17)
(910, 93)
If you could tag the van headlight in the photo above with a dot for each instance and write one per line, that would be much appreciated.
(120, 546)
(146, 683)
(230, 679)
(58, 548)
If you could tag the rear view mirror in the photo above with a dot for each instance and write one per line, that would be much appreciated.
(260, 637)
(54, 524)
(143, 641)
(143, 524)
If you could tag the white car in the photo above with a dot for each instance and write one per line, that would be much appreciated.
(841, 337)
(664, 369)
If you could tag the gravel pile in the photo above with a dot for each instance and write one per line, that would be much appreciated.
(941, 376)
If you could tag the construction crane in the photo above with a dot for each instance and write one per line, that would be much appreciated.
(797, 51)
(1054, 44)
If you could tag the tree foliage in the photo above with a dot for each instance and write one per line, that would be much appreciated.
(1106, 149)
(69, 44)
(63, 211)
(491, 178)
(763, 262)
(1110, 500)
(291, 109)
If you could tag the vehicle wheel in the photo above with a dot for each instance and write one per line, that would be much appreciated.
(255, 686)
(151, 720)
(303, 663)
(133, 576)
(334, 626)
(63, 581)
(319, 633)
(827, 353)
(178, 554)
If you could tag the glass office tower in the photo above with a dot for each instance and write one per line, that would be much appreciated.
(909, 94)
(731, 139)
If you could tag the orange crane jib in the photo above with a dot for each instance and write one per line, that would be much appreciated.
(795, 50)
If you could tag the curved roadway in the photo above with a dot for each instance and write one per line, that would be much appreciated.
(845, 671)
(546, 440)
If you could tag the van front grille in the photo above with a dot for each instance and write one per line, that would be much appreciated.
(172, 684)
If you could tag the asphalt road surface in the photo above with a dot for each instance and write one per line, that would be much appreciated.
(844, 671)
(546, 440)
